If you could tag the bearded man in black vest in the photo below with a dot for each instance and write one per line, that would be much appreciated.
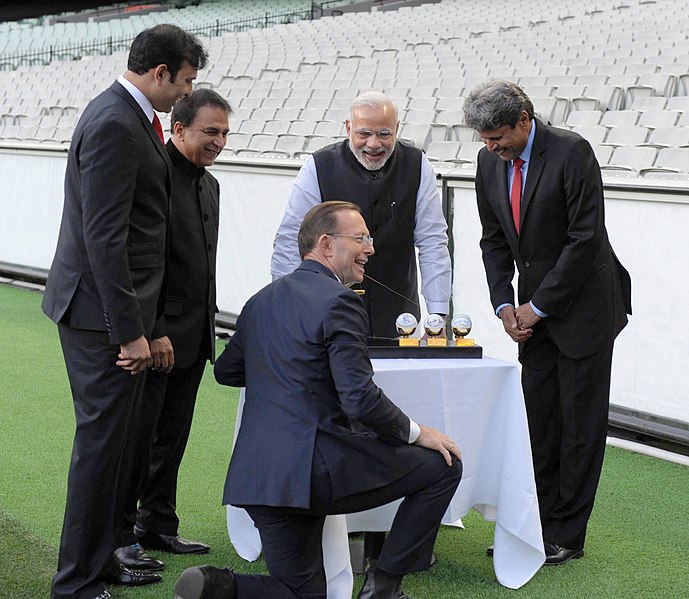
(393, 184)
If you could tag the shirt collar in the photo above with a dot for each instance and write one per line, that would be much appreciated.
(182, 162)
(138, 95)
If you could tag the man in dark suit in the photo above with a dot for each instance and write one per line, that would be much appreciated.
(200, 124)
(318, 437)
(540, 200)
(104, 289)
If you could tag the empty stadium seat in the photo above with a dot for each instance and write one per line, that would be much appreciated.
(580, 118)
(669, 137)
(468, 151)
(659, 118)
(632, 135)
(594, 134)
(443, 151)
(670, 160)
(631, 159)
(620, 118)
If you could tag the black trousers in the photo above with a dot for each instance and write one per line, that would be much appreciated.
(567, 404)
(169, 401)
(292, 538)
(105, 397)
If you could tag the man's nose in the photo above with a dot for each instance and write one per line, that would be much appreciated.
(368, 249)
(373, 141)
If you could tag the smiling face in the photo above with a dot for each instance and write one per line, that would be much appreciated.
(168, 90)
(372, 133)
(348, 256)
(506, 141)
(203, 140)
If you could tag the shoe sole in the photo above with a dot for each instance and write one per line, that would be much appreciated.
(154, 547)
(571, 557)
(190, 584)
(152, 569)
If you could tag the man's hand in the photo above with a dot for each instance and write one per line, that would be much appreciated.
(163, 355)
(526, 317)
(431, 438)
(511, 324)
(134, 356)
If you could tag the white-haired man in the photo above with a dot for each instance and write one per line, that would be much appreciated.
(394, 186)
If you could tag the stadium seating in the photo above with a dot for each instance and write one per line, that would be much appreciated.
(606, 69)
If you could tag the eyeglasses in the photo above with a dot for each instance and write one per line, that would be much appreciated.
(362, 239)
(380, 134)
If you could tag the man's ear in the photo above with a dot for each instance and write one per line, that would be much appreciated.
(324, 245)
(178, 129)
(160, 72)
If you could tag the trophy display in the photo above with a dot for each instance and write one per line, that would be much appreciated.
(433, 345)
(434, 326)
(406, 326)
(461, 327)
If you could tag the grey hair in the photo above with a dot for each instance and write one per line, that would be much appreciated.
(495, 103)
(373, 99)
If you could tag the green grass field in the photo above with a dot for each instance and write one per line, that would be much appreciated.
(638, 543)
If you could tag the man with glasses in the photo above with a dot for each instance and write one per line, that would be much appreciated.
(394, 186)
(318, 437)
(183, 339)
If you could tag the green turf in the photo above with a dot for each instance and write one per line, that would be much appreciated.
(638, 543)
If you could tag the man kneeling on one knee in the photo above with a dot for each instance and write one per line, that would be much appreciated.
(318, 437)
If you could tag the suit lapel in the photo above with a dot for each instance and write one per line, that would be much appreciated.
(536, 164)
(119, 89)
(503, 196)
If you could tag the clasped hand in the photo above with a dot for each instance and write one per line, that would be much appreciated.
(519, 323)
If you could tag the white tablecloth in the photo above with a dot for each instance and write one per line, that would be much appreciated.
(478, 403)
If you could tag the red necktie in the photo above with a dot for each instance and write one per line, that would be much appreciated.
(516, 195)
(159, 128)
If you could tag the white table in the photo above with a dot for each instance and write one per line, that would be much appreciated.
(478, 403)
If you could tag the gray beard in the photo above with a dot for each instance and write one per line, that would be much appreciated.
(361, 158)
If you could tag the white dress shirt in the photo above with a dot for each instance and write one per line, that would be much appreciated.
(430, 234)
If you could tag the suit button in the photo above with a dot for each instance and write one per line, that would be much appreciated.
(211, 276)
(200, 187)
(527, 264)
(210, 246)
(205, 217)
(374, 175)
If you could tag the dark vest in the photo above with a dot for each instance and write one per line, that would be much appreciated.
(387, 200)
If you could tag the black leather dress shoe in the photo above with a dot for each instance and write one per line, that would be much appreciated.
(490, 550)
(555, 555)
(133, 557)
(206, 582)
(132, 578)
(369, 590)
(169, 543)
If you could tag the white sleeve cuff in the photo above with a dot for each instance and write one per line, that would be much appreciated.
(414, 431)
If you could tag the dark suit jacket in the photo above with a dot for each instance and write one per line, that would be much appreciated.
(110, 259)
(300, 349)
(566, 265)
(189, 315)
